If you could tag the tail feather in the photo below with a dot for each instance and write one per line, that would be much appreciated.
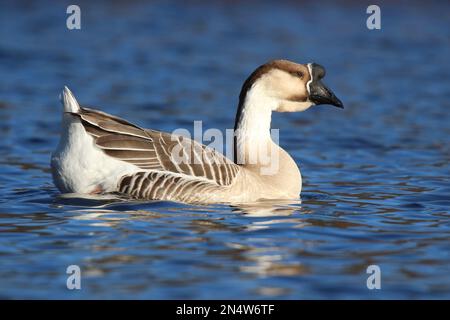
(68, 101)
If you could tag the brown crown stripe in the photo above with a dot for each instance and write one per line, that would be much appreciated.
(284, 65)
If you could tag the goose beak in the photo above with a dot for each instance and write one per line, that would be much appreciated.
(319, 93)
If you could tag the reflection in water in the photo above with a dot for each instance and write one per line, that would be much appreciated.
(268, 208)
(258, 260)
(273, 248)
(376, 187)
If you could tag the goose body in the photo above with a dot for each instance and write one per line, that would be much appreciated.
(101, 153)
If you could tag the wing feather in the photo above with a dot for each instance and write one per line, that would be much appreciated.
(155, 150)
(155, 185)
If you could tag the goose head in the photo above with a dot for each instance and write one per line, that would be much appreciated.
(288, 86)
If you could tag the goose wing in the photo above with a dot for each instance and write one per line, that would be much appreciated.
(159, 185)
(155, 150)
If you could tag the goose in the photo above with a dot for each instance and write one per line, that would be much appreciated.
(99, 153)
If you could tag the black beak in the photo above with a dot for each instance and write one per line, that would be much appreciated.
(318, 92)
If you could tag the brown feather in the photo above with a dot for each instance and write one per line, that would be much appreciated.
(118, 141)
(154, 150)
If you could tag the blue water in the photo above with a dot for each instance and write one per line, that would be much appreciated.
(376, 174)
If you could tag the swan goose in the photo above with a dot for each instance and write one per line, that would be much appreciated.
(99, 153)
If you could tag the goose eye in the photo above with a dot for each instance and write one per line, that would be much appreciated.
(299, 74)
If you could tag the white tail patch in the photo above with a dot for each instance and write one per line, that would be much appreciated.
(68, 100)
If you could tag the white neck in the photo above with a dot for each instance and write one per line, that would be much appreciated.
(255, 148)
(253, 126)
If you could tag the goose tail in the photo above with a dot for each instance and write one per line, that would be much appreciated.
(68, 101)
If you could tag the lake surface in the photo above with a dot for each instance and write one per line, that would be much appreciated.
(376, 175)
